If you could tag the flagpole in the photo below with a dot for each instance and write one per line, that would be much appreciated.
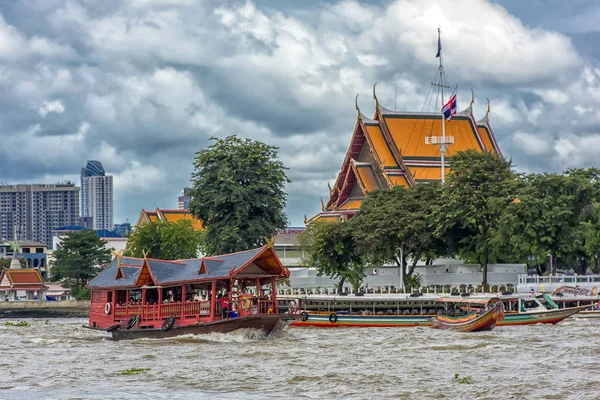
(441, 142)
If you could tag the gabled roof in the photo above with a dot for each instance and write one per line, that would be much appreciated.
(165, 272)
(168, 215)
(21, 278)
(391, 150)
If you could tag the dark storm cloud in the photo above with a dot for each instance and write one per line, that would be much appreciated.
(143, 84)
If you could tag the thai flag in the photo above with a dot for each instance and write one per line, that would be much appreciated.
(449, 108)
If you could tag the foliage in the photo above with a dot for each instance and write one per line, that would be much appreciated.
(166, 240)
(20, 323)
(413, 281)
(5, 263)
(462, 379)
(238, 192)
(80, 292)
(547, 220)
(331, 248)
(134, 371)
(399, 218)
(79, 257)
(478, 190)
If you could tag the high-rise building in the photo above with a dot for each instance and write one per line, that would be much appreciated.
(184, 199)
(35, 210)
(97, 195)
(92, 168)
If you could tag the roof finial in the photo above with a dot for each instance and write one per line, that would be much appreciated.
(472, 98)
(118, 256)
(145, 253)
(270, 242)
(322, 205)
(375, 97)
(356, 105)
(329, 187)
(488, 107)
(305, 220)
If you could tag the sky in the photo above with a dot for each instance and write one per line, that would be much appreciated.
(141, 85)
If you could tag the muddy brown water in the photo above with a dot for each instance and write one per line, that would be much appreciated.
(58, 359)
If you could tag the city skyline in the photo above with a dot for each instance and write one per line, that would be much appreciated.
(285, 73)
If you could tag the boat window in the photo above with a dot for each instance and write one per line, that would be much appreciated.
(96, 296)
(109, 296)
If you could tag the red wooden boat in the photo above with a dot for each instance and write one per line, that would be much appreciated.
(148, 298)
(479, 315)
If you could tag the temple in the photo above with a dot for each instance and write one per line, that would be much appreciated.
(393, 148)
(169, 216)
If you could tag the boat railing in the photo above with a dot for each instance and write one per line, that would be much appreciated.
(161, 311)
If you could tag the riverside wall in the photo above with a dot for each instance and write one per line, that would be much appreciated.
(46, 309)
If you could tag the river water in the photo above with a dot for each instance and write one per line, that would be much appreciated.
(57, 359)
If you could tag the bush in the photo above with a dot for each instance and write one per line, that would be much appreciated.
(80, 293)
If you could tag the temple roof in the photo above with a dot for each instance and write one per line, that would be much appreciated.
(391, 150)
(162, 214)
(126, 271)
(21, 278)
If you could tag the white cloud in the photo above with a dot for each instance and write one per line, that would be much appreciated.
(54, 106)
(532, 144)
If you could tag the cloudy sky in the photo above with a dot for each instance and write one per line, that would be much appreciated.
(142, 84)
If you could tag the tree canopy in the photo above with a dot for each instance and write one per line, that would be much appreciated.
(166, 240)
(79, 258)
(399, 218)
(478, 190)
(238, 192)
(331, 248)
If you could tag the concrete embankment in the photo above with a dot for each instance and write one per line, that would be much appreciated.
(46, 309)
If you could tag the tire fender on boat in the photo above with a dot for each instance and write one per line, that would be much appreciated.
(168, 324)
(131, 322)
(303, 316)
(333, 318)
(113, 328)
(107, 308)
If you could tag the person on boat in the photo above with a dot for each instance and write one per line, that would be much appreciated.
(254, 306)
(224, 302)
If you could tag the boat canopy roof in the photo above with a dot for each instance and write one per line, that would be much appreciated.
(129, 272)
(468, 300)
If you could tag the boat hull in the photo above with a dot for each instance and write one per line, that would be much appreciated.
(473, 323)
(266, 323)
(543, 317)
(323, 320)
(4, 313)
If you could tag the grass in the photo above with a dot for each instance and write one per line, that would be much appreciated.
(134, 371)
(462, 380)
(20, 323)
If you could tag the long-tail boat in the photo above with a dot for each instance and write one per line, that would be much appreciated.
(412, 310)
(149, 298)
(470, 315)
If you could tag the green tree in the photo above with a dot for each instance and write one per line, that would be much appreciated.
(331, 248)
(238, 192)
(5, 263)
(79, 258)
(166, 240)
(547, 219)
(399, 218)
(478, 190)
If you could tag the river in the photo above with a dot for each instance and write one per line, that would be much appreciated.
(57, 359)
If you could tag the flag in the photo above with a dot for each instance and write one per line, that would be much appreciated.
(449, 108)
(439, 53)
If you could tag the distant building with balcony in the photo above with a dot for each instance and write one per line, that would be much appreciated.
(34, 210)
(184, 199)
(97, 196)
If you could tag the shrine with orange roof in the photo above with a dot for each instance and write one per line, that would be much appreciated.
(392, 149)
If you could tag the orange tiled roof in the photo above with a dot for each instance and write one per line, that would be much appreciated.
(391, 150)
(21, 277)
(168, 215)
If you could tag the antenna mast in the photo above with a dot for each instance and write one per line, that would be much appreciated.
(442, 142)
